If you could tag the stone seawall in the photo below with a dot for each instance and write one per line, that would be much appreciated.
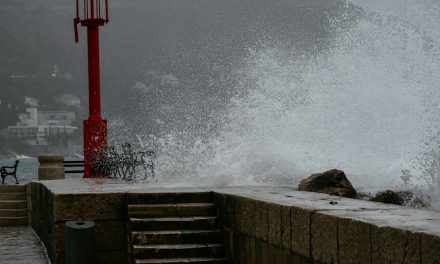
(51, 210)
(263, 224)
(41, 215)
(278, 225)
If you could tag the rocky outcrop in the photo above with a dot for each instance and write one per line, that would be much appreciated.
(333, 182)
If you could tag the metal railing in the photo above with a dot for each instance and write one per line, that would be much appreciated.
(124, 163)
(72, 164)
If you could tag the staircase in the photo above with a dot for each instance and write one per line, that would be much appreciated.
(174, 228)
(13, 205)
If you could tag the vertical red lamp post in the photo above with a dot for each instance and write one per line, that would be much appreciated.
(95, 127)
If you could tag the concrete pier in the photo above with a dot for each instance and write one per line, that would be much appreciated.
(260, 224)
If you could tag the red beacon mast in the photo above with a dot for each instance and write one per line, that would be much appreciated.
(95, 127)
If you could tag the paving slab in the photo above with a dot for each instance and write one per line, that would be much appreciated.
(20, 245)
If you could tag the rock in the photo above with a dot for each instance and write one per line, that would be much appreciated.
(333, 182)
(407, 198)
(389, 197)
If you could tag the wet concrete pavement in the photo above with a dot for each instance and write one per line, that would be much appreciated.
(20, 245)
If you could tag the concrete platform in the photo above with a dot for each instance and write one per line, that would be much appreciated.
(271, 223)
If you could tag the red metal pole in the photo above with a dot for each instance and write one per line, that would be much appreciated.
(106, 11)
(92, 10)
(94, 71)
(95, 127)
(77, 9)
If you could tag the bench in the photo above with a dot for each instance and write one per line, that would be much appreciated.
(9, 171)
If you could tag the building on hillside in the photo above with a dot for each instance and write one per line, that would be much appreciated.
(36, 127)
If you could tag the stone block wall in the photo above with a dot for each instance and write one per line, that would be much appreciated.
(51, 211)
(41, 215)
(300, 228)
(260, 232)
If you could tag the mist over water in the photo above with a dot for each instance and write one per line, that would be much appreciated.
(366, 103)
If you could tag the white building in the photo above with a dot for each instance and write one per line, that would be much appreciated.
(36, 126)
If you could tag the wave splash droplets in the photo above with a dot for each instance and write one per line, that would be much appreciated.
(364, 105)
(361, 107)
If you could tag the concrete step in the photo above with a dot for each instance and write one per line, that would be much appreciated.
(13, 204)
(183, 260)
(13, 212)
(161, 210)
(13, 196)
(178, 251)
(13, 221)
(176, 237)
(169, 198)
(12, 188)
(173, 223)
